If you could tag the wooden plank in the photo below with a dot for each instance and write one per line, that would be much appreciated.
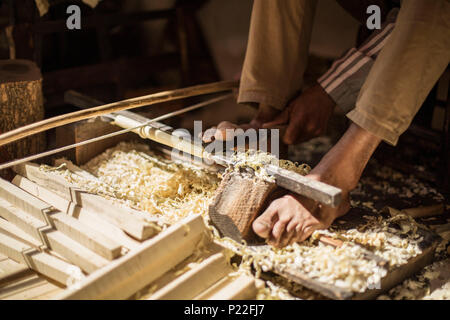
(120, 216)
(11, 270)
(88, 218)
(13, 231)
(128, 274)
(240, 288)
(196, 280)
(41, 262)
(77, 254)
(31, 287)
(84, 130)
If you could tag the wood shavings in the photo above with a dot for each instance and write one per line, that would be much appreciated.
(257, 159)
(170, 191)
(432, 283)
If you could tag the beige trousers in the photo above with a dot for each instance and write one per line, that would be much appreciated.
(394, 87)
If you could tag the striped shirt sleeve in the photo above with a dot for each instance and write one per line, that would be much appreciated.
(346, 76)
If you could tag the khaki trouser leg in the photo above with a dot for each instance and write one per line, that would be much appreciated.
(406, 70)
(277, 51)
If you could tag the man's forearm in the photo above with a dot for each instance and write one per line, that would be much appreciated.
(344, 163)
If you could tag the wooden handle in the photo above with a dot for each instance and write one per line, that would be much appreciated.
(151, 99)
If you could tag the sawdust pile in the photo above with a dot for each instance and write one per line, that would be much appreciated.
(170, 191)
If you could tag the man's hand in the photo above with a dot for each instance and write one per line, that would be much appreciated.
(306, 116)
(265, 114)
(293, 218)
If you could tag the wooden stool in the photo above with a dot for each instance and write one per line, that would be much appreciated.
(21, 103)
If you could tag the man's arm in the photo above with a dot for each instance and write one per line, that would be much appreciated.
(307, 115)
(410, 63)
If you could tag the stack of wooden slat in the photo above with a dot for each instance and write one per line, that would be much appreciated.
(92, 248)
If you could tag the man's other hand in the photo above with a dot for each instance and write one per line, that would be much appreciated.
(265, 114)
(306, 116)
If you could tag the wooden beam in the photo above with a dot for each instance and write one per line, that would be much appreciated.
(129, 274)
(196, 280)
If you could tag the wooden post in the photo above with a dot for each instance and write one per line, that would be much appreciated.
(21, 103)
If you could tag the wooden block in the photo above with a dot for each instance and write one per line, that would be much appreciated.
(22, 104)
(120, 216)
(238, 201)
(196, 280)
(88, 218)
(127, 275)
(41, 262)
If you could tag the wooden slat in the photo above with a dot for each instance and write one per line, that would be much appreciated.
(23, 220)
(77, 254)
(91, 219)
(11, 270)
(41, 262)
(196, 280)
(120, 216)
(14, 231)
(46, 237)
(241, 288)
(151, 99)
(31, 287)
(128, 274)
